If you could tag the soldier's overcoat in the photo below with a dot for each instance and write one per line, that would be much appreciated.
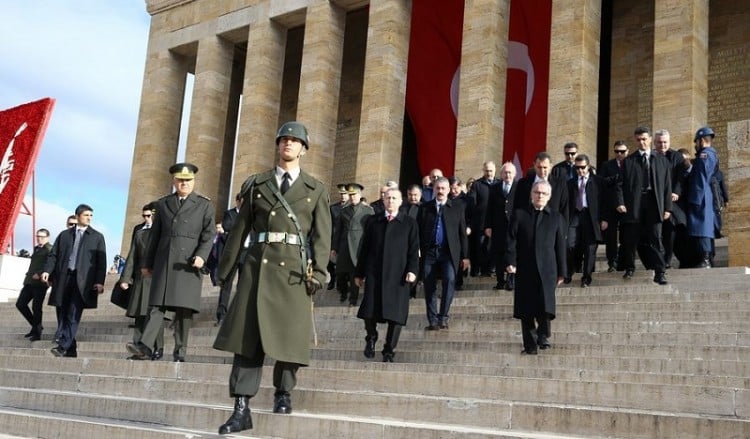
(271, 309)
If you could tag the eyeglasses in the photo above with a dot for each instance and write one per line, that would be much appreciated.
(146, 215)
(581, 168)
(621, 151)
(571, 154)
(42, 236)
(541, 193)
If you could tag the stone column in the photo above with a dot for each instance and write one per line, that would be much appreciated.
(383, 95)
(208, 115)
(261, 96)
(736, 221)
(680, 67)
(157, 134)
(481, 100)
(574, 76)
(320, 82)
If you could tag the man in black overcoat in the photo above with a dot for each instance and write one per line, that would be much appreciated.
(225, 291)
(644, 197)
(611, 173)
(496, 223)
(536, 254)
(388, 265)
(482, 262)
(444, 248)
(76, 268)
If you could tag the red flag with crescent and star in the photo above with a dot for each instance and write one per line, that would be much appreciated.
(21, 132)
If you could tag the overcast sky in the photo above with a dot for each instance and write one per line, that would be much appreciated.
(89, 55)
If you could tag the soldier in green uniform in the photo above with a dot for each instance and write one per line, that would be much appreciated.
(288, 214)
(181, 238)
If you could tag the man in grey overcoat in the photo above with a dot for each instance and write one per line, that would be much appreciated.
(287, 211)
(181, 239)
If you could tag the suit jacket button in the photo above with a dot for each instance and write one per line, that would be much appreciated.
(265, 261)
(273, 213)
(281, 263)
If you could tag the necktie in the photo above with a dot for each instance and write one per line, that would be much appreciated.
(390, 217)
(506, 189)
(285, 182)
(74, 253)
(581, 194)
(181, 200)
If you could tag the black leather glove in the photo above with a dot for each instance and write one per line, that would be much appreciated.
(312, 286)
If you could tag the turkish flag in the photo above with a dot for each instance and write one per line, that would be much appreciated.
(527, 83)
(432, 81)
(21, 131)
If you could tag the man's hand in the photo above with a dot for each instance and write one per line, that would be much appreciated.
(198, 262)
(465, 264)
(510, 269)
(675, 197)
(622, 209)
(488, 232)
(124, 285)
(411, 277)
(312, 286)
(147, 272)
(45, 277)
(99, 288)
(603, 225)
(559, 280)
(667, 215)
(358, 281)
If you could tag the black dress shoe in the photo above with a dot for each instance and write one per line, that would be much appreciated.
(240, 419)
(135, 358)
(178, 358)
(431, 328)
(282, 403)
(444, 326)
(660, 279)
(567, 280)
(388, 357)
(499, 286)
(331, 286)
(529, 352)
(29, 334)
(585, 282)
(543, 343)
(628, 274)
(139, 349)
(157, 355)
(611, 269)
(370, 348)
(60, 352)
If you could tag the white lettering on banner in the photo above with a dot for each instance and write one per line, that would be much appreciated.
(7, 164)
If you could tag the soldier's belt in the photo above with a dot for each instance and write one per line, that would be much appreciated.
(278, 237)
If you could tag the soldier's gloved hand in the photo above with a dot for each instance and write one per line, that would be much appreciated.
(312, 286)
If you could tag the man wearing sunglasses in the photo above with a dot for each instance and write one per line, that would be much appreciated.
(611, 173)
(584, 230)
(566, 168)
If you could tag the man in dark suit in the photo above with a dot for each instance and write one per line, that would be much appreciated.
(460, 198)
(536, 254)
(566, 168)
(387, 267)
(482, 262)
(644, 198)
(34, 289)
(496, 225)
(542, 172)
(668, 229)
(336, 209)
(181, 240)
(443, 246)
(584, 229)
(611, 173)
(413, 200)
(225, 291)
(76, 268)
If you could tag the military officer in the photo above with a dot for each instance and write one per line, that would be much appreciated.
(347, 241)
(181, 239)
(336, 209)
(288, 212)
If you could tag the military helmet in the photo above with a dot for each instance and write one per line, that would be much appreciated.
(294, 129)
(703, 132)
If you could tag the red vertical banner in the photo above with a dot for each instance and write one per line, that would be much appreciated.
(21, 132)
(527, 84)
(432, 80)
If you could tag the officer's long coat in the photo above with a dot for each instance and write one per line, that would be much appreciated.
(701, 216)
(271, 309)
(140, 285)
(348, 238)
(177, 235)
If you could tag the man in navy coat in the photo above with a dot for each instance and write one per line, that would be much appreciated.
(702, 221)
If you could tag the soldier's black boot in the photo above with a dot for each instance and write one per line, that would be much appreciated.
(240, 419)
(706, 262)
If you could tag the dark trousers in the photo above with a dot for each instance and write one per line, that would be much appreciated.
(182, 321)
(347, 287)
(71, 309)
(59, 316)
(438, 260)
(611, 241)
(646, 232)
(532, 332)
(139, 325)
(391, 336)
(244, 380)
(667, 239)
(224, 293)
(34, 294)
(581, 244)
(482, 261)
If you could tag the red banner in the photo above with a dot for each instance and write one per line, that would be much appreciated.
(432, 80)
(527, 84)
(21, 132)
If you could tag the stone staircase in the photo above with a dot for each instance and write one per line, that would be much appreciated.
(629, 360)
